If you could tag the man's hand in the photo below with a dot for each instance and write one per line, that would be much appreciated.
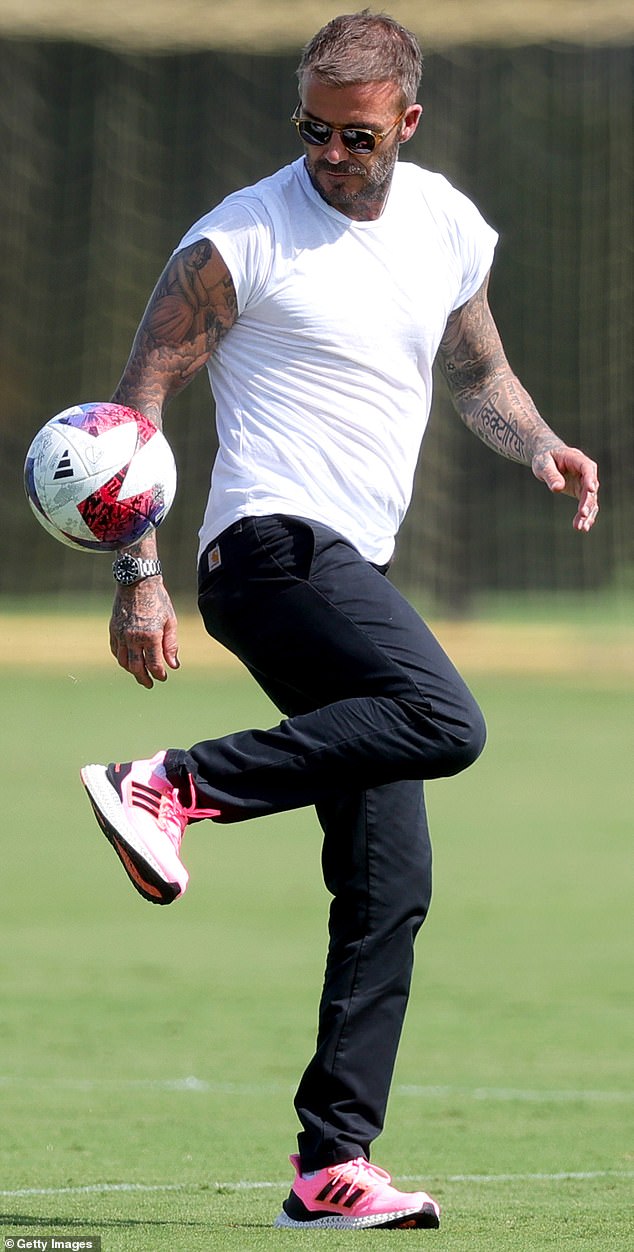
(573, 473)
(143, 631)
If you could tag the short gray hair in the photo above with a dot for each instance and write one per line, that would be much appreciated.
(364, 47)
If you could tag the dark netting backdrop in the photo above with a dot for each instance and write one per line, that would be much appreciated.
(107, 158)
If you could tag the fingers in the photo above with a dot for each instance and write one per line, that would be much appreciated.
(141, 657)
(144, 634)
(587, 512)
(584, 483)
(170, 644)
(570, 471)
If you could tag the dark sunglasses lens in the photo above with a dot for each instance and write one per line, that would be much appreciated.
(314, 132)
(361, 141)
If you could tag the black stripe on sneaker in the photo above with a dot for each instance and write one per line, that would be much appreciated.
(339, 1193)
(352, 1198)
(144, 797)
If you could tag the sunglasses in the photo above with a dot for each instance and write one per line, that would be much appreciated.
(357, 139)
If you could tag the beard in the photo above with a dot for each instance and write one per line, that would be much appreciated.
(366, 202)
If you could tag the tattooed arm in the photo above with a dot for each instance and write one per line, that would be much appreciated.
(191, 309)
(494, 405)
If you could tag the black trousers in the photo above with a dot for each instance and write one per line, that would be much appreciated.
(372, 707)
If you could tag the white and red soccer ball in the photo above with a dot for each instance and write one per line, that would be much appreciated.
(98, 476)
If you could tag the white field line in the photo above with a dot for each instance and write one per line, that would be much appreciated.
(255, 1185)
(200, 1085)
(519, 1094)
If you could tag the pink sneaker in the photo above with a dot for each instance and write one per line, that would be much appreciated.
(353, 1196)
(140, 812)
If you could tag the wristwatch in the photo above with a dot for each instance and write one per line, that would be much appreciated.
(132, 569)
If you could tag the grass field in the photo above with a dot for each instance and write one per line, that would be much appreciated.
(148, 1056)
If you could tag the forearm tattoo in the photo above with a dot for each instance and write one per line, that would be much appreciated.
(500, 432)
(491, 401)
(191, 309)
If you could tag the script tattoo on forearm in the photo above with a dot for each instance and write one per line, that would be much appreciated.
(502, 433)
(191, 309)
(488, 396)
(508, 421)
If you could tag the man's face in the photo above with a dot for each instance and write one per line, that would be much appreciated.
(355, 185)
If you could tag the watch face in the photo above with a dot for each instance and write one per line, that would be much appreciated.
(126, 570)
(131, 569)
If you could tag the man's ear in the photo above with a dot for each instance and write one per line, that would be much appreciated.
(410, 121)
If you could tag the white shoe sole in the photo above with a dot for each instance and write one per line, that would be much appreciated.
(426, 1218)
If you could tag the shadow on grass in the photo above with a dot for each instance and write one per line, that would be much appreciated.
(16, 1220)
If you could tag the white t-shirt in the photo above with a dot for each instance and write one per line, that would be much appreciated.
(323, 385)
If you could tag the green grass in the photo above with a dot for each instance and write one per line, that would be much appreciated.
(606, 607)
(159, 1048)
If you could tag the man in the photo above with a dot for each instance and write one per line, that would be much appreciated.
(318, 299)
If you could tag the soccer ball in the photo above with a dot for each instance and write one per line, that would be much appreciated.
(98, 476)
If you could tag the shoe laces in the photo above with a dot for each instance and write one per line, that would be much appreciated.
(359, 1174)
(174, 815)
